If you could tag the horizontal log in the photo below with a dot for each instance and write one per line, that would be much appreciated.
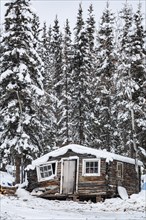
(86, 193)
(91, 178)
(50, 192)
(87, 190)
(8, 190)
(49, 183)
(53, 196)
(92, 184)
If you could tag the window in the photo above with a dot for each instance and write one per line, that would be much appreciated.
(46, 171)
(91, 167)
(119, 169)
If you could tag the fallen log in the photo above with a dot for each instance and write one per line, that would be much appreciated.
(5, 190)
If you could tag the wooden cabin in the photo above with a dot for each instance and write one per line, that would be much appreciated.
(83, 173)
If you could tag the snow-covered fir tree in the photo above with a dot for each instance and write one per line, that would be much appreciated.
(20, 86)
(45, 50)
(92, 65)
(57, 99)
(125, 84)
(67, 75)
(36, 31)
(104, 79)
(41, 46)
(138, 74)
(81, 96)
(90, 29)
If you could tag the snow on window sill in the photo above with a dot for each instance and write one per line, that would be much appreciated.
(47, 178)
(91, 174)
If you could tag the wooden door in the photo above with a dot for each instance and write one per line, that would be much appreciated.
(69, 176)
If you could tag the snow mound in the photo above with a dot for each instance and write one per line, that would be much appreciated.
(6, 179)
(30, 207)
(141, 196)
(136, 202)
(23, 194)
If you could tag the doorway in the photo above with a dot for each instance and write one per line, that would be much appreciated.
(69, 176)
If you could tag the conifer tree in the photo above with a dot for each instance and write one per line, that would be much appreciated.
(90, 29)
(20, 86)
(36, 31)
(92, 61)
(67, 74)
(57, 98)
(105, 72)
(47, 57)
(80, 94)
(138, 73)
(125, 85)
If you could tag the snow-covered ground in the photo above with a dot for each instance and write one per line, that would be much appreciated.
(24, 206)
(28, 207)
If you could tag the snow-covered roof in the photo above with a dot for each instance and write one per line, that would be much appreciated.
(81, 150)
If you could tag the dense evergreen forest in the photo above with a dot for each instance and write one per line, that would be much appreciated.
(86, 87)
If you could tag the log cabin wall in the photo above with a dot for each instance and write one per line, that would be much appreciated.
(129, 179)
(111, 179)
(34, 184)
(92, 185)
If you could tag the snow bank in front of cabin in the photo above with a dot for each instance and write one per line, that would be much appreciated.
(81, 150)
(23, 194)
(136, 202)
(6, 179)
(28, 207)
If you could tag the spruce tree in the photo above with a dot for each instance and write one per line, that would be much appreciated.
(45, 51)
(20, 86)
(104, 78)
(80, 94)
(125, 85)
(57, 98)
(92, 61)
(67, 75)
(138, 73)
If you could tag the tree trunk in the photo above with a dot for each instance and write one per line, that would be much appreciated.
(18, 165)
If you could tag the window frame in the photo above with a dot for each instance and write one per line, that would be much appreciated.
(40, 178)
(121, 171)
(84, 161)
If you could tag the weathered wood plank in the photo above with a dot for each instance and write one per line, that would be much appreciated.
(91, 179)
(91, 184)
(90, 193)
